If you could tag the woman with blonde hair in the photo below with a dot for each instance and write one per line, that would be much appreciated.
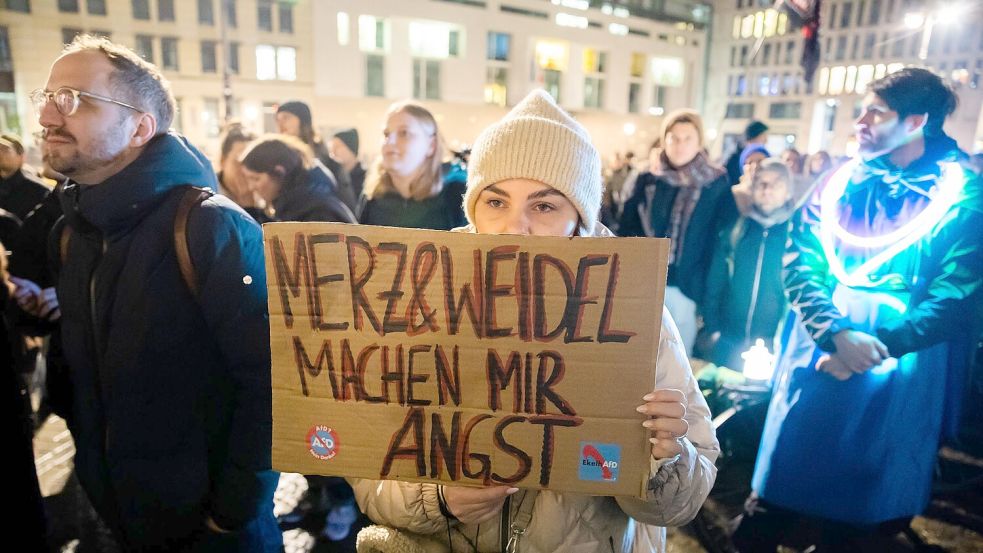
(406, 188)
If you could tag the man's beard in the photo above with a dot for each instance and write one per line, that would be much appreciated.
(109, 148)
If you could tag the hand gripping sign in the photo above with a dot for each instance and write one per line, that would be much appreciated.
(462, 358)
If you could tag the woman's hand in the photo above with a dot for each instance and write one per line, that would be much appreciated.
(667, 411)
(475, 505)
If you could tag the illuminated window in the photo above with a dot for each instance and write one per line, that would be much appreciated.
(594, 61)
(759, 24)
(552, 55)
(637, 65)
(496, 86)
(668, 71)
(770, 22)
(823, 80)
(763, 85)
(879, 71)
(851, 79)
(344, 29)
(865, 74)
(274, 62)
(747, 26)
(373, 34)
(892, 67)
(782, 23)
(434, 40)
(737, 26)
(837, 76)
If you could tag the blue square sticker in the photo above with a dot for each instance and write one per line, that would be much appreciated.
(599, 462)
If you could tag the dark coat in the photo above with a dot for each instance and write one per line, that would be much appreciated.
(172, 398)
(444, 211)
(313, 198)
(745, 296)
(21, 192)
(713, 212)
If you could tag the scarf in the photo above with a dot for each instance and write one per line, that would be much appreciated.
(690, 179)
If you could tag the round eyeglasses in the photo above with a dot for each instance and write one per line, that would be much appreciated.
(67, 100)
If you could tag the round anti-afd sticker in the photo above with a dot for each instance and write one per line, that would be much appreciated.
(323, 442)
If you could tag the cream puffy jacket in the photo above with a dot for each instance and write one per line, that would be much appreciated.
(574, 523)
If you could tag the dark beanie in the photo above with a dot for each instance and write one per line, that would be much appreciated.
(750, 150)
(350, 138)
(300, 109)
(754, 129)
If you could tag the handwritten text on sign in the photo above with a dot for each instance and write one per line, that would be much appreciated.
(456, 357)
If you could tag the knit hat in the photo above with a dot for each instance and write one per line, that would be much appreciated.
(300, 109)
(539, 141)
(350, 138)
(750, 150)
(754, 129)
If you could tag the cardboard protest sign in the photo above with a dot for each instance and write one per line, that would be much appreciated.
(463, 358)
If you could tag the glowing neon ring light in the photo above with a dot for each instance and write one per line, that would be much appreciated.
(947, 193)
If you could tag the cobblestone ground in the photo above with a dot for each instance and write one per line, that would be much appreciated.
(74, 527)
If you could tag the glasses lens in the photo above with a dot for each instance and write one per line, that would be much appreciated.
(65, 101)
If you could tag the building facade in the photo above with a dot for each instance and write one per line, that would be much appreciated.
(618, 65)
(861, 40)
(267, 51)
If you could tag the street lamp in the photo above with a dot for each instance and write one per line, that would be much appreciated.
(945, 15)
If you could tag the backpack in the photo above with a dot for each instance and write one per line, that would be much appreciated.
(190, 198)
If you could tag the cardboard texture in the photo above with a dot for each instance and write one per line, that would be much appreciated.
(462, 358)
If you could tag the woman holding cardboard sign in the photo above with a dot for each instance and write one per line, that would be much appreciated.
(537, 173)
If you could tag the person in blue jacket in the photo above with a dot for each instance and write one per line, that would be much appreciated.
(171, 385)
(883, 271)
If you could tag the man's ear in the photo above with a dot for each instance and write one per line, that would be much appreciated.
(146, 129)
(916, 122)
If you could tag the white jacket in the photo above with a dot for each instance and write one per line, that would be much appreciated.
(571, 522)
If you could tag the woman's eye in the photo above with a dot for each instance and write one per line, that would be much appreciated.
(495, 203)
(544, 207)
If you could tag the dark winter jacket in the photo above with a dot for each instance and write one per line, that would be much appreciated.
(745, 297)
(444, 211)
(313, 198)
(653, 199)
(21, 192)
(172, 391)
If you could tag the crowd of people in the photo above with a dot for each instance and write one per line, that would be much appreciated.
(140, 278)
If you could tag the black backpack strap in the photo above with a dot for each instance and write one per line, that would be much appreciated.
(190, 198)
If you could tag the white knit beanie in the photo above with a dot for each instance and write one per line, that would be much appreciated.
(537, 140)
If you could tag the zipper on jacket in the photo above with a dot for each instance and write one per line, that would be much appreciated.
(94, 320)
(503, 533)
(756, 285)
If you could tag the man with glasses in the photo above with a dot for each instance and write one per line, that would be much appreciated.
(20, 189)
(171, 371)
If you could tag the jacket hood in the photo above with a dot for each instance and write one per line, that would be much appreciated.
(118, 203)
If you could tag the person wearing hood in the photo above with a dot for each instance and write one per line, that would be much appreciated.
(294, 118)
(343, 148)
(745, 298)
(688, 201)
(536, 173)
(171, 371)
(295, 186)
(884, 273)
